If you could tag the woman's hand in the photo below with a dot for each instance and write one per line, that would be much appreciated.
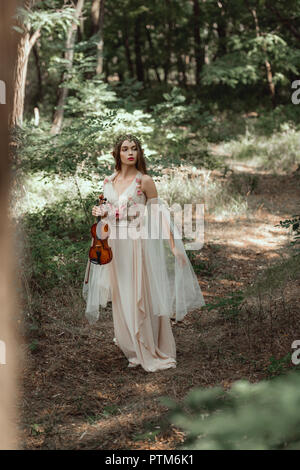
(99, 211)
(179, 255)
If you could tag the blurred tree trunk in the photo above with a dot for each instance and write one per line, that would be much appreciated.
(69, 55)
(25, 44)
(169, 33)
(39, 94)
(137, 47)
(181, 66)
(198, 50)
(268, 67)
(127, 48)
(95, 10)
(152, 51)
(98, 7)
(100, 44)
(222, 31)
(8, 337)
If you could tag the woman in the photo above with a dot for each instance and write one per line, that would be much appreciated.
(150, 278)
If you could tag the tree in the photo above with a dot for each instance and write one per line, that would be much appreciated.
(25, 44)
(8, 363)
(266, 61)
(69, 55)
(30, 20)
(98, 8)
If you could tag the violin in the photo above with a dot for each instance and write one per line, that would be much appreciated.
(100, 252)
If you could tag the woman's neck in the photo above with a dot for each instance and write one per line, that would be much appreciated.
(127, 172)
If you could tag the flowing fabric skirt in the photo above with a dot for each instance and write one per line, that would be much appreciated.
(145, 339)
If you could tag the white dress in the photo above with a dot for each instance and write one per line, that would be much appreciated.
(145, 282)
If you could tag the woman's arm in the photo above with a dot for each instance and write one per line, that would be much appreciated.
(149, 189)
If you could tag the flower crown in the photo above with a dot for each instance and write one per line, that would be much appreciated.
(130, 137)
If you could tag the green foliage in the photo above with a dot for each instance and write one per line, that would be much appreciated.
(230, 70)
(129, 94)
(281, 119)
(151, 430)
(278, 366)
(34, 345)
(278, 52)
(199, 266)
(261, 416)
(76, 146)
(46, 19)
(294, 223)
(109, 410)
(57, 244)
(230, 306)
(175, 111)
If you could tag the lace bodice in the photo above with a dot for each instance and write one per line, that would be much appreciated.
(119, 205)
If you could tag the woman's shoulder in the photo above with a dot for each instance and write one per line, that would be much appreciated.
(108, 178)
(148, 186)
(146, 178)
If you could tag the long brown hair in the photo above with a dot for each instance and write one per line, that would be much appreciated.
(140, 163)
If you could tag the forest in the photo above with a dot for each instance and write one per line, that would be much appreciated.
(212, 90)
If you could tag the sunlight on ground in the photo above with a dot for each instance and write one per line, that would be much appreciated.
(258, 238)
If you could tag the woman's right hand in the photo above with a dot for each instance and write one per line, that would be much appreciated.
(99, 211)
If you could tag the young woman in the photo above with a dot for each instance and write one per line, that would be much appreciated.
(150, 278)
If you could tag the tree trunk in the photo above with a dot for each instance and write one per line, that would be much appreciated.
(95, 10)
(20, 74)
(222, 31)
(181, 65)
(127, 48)
(9, 368)
(25, 44)
(99, 69)
(137, 47)
(152, 51)
(199, 51)
(39, 74)
(170, 33)
(267, 63)
(69, 55)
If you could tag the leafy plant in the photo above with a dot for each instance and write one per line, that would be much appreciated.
(278, 366)
(294, 223)
(229, 306)
(261, 416)
(109, 410)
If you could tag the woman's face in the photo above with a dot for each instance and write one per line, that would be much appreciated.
(128, 153)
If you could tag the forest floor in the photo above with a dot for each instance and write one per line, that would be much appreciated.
(77, 390)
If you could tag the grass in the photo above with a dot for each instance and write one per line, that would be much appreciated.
(278, 152)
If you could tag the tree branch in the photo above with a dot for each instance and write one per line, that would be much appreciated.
(34, 38)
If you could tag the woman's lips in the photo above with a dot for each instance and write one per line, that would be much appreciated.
(130, 158)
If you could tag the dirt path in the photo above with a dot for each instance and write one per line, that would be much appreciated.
(79, 393)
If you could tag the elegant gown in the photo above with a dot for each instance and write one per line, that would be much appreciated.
(146, 283)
